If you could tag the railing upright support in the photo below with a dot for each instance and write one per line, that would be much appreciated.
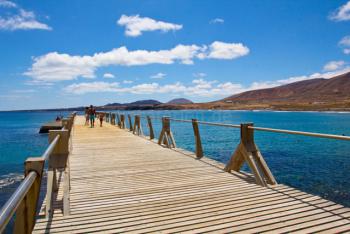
(58, 159)
(113, 119)
(130, 123)
(248, 152)
(26, 212)
(151, 132)
(166, 136)
(118, 121)
(197, 137)
(137, 125)
(122, 121)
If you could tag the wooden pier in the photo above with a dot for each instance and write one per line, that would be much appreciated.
(124, 183)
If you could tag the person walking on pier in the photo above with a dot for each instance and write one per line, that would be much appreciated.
(92, 113)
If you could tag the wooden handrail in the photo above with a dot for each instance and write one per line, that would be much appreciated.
(10, 207)
(246, 151)
(23, 202)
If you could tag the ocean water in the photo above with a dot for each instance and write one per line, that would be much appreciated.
(315, 165)
(19, 139)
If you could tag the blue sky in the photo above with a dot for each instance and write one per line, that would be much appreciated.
(73, 53)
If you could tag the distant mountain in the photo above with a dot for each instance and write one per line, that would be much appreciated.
(144, 102)
(179, 101)
(113, 104)
(315, 90)
(137, 105)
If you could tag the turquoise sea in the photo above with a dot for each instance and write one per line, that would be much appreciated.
(315, 165)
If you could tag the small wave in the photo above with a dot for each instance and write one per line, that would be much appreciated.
(9, 179)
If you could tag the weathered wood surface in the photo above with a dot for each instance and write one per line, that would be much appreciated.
(124, 183)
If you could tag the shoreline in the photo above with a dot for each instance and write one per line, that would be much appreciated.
(340, 111)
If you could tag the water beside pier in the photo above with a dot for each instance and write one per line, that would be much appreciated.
(318, 166)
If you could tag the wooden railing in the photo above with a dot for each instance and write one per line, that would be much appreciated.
(245, 152)
(24, 201)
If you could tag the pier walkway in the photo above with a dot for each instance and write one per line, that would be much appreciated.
(123, 183)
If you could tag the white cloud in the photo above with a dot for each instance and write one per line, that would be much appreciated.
(8, 4)
(108, 75)
(325, 75)
(56, 67)
(128, 81)
(23, 20)
(23, 91)
(159, 75)
(222, 50)
(199, 75)
(342, 13)
(333, 65)
(217, 21)
(345, 41)
(346, 51)
(135, 25)
(198, 87)
(92, 87)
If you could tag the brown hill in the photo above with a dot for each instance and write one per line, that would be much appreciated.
(180, 101)
(316, 90)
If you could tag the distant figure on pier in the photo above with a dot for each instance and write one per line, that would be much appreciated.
(87, 116)
(92, 115)
(58, 118)
(101, 115)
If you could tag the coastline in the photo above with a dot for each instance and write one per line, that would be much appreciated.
(182, 108)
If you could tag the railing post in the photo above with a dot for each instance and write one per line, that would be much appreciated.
(118, 121)
(130, 123)
(106, 117)
(137, 125)
(248, 152)
(197, 137)
(26, 212)
(166, 136)
(122, 121)
(58, 159)
(113, 119)
(151, 132)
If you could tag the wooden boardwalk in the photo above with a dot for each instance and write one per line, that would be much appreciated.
(122, 183)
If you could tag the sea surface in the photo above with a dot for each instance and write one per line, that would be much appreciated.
(315, 165)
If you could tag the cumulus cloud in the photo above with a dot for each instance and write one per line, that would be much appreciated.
(222, 50)
(128, 81)
(198, 87)
(54, 66)
(92, 87)
(346, 51)
(342, 13)
(108, 75)
(21, 20)
(325, 75)
(345, 41)
(217, 21)
(7, 4)
(135, 25)
(333, 65)
(159, 75)
(345, 44)
(199, 75)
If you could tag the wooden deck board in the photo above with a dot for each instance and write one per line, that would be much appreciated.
(124, 183)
